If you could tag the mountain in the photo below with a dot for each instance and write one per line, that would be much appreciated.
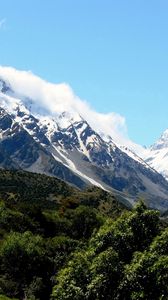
(157, 155)
(63, 144)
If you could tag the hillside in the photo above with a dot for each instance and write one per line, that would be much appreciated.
(19, 186)
(57, 242)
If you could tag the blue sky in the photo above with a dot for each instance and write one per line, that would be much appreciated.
(114, 54)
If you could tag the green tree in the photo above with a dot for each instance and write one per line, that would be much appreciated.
(105, 272)
(146, 277)
(84, 221)
(133, 231)
(22, 258)
(72, 280)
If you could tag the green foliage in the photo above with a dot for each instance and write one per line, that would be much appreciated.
(54, 224)
(115, 234)
(22, 257)
(144, 224)
(101, 200)
(160, 243)
(72, 280)
(2, 297)
(111, 267)
(146, 277)
(60, 243)
(41, 223)
(105, 272)
(131, 232)
(58, 250)
(84, 220)
(14, 220)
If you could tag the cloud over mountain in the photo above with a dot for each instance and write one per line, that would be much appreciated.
(55, 98)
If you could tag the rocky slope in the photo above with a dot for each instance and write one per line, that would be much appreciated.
(65, 145)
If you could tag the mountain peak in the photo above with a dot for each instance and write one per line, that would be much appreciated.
(162, 142)
(157, 155)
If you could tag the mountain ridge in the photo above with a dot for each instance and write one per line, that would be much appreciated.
(66, 146)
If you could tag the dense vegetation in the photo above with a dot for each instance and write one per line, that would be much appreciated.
(60, 243)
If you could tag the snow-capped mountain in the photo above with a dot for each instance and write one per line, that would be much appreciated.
(62, 143)
(157, 155)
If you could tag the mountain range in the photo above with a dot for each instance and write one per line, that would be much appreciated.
(64, 144)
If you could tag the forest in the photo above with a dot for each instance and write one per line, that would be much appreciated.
(57, 242)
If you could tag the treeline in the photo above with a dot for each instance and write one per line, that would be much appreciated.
(68, 244)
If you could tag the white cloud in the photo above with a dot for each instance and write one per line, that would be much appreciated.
(2, 23)
(56, 98)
